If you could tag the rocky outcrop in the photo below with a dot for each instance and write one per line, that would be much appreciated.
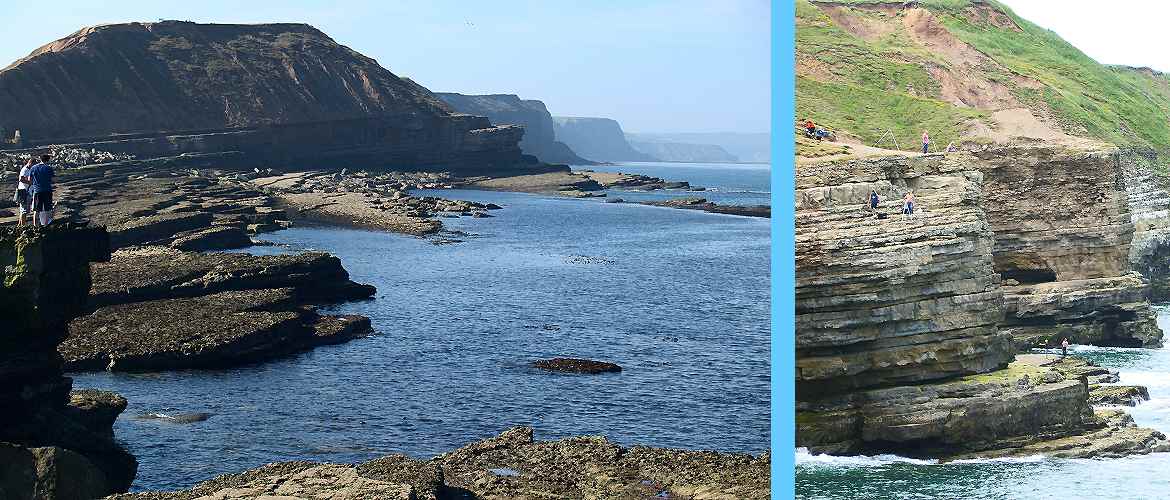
(1148, 195)
(539, 136)
(905, 328)
(51, 444)
(159, 308)
(510, 465)
(209, 331)
(577, 365)
(598, 139)
(1062, 242)
(152, 273)
(712, 207)
(279, 93)
(884, 301)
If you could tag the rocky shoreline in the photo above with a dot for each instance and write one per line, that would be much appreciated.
(908, 330)
(510, 465)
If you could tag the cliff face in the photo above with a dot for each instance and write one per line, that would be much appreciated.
(683, 151)
(598, 139)
(1063, 229)
(281, 91)
(539, 137)
(50, 441)
(906, 330)
(184, 76)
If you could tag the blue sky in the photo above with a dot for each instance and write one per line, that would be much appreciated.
(655, 66)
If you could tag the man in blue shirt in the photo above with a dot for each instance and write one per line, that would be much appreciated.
(40, 186)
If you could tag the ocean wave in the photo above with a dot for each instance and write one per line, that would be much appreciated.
(804, 457)
(808, 459)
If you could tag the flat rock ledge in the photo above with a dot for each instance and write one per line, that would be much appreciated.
(1037, 405)
(213, 331)
(576, 365)
(707, 206)
(510, 465)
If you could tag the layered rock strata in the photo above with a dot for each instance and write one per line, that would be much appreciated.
(51, 444)
(597, 139)
(278, 93)
(510, 465)
(900, 339)
(1063, 229)
(884, 301)
(539, 136)
(1148, 194)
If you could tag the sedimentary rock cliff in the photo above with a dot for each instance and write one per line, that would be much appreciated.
(51, 445)
(598, 139)
(280, 91)
(906, 330)
(539, 138)
(682, 151)
(1063, 228)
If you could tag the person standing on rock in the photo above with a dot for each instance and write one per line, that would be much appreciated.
(925, 142)
(873, 200)
(1064, 348)
(22, 198)
(908, 205)
(40, 186)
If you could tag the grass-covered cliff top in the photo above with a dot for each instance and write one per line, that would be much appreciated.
(964, 70)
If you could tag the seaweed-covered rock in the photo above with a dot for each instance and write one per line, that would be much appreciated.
(217, 330)
(510, 465)
(576, 365)
(148, 273)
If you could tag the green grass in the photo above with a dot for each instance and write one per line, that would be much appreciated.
(868, 113)
(867, 88)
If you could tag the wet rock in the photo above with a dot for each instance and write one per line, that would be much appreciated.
(214, 238)
(707, 206)
(177, 418)
(576, 365)
(1120, 395)
(218, 330)
(63, 446)
(49, 473)
(510, 465)
(147, 273)
(97, 410)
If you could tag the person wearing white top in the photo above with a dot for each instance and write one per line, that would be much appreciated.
(22, 197)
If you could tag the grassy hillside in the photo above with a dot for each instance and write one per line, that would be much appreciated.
(867, 67)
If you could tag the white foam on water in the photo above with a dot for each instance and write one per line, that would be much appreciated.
(804, 457)
(1030, 459)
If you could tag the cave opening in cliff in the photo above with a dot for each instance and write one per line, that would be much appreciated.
(1029, 276)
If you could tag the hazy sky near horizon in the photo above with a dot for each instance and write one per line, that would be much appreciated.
(1133, 35)
(653, 65)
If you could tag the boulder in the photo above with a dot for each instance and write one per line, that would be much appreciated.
(576, 365)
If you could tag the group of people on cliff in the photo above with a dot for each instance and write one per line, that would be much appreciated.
(908, 203)
(34, 191)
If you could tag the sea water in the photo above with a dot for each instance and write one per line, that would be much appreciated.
(678, 298)
(1138, 477)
